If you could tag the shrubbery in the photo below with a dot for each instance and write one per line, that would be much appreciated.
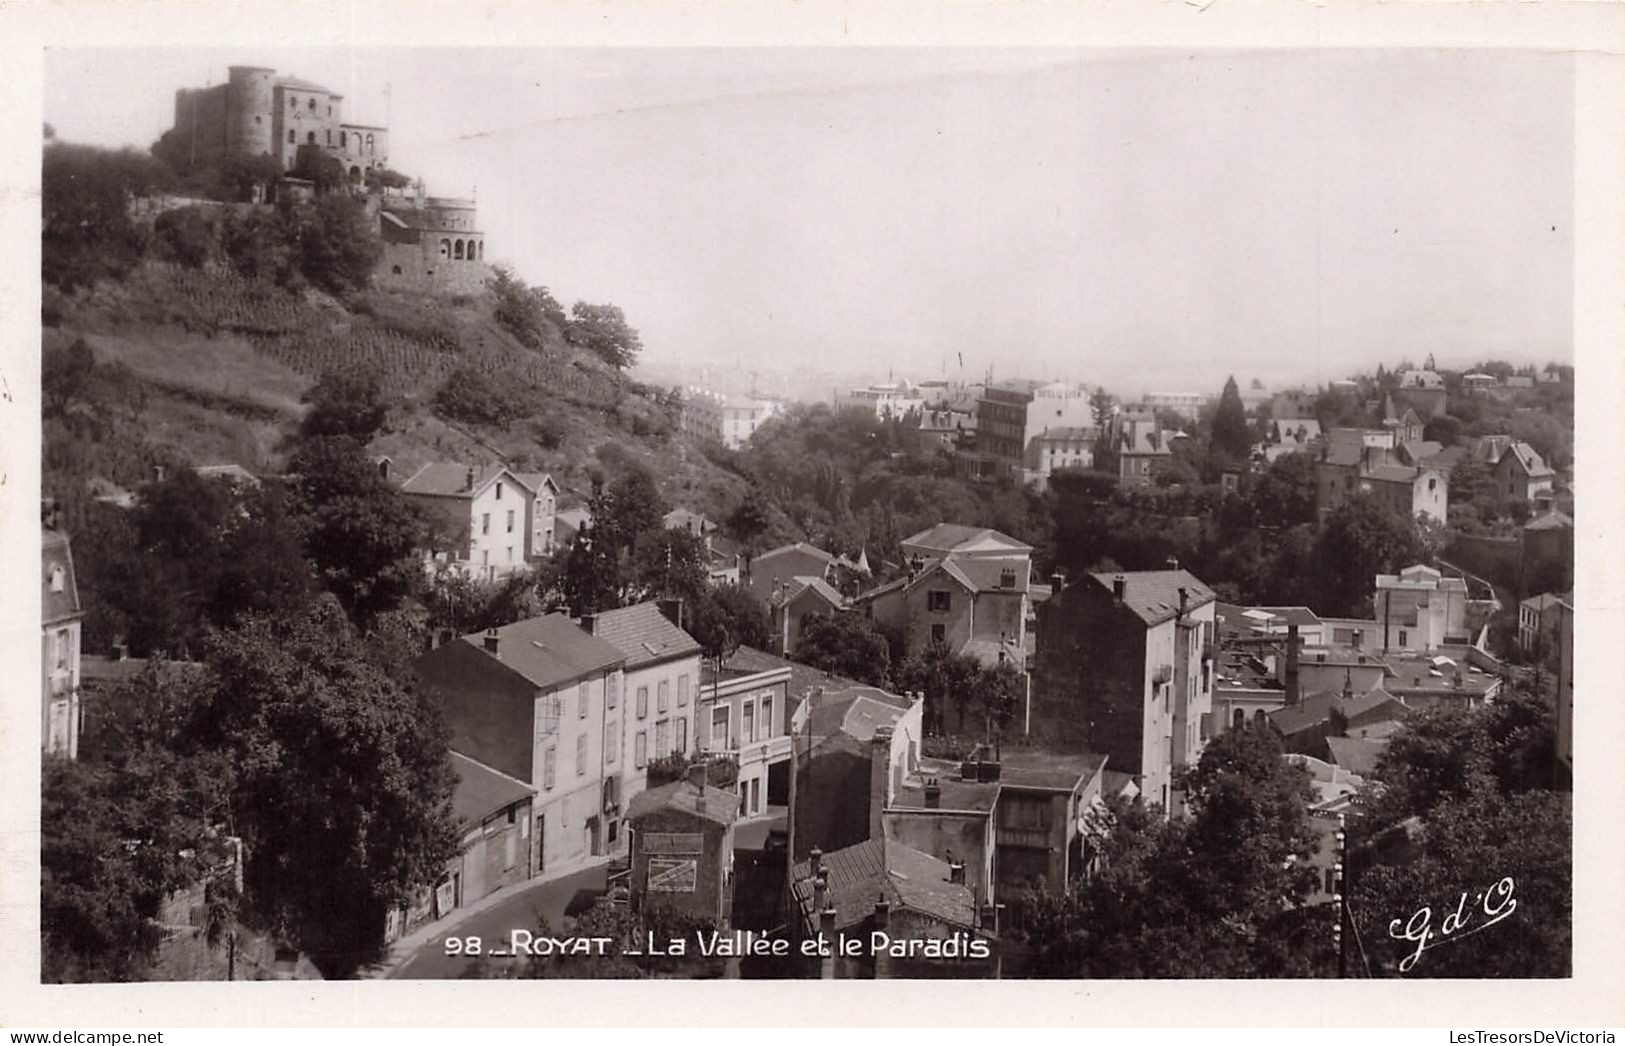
(472, 397)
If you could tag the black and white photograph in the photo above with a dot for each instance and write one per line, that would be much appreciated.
(988, 513)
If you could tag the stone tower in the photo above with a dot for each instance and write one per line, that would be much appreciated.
(249, 108)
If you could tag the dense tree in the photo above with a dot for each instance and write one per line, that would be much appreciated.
(65, 374)
(1444, 430)
(1481, 856)
(471, 396)
(1220, 894)
(603, 331)
(726, 617)
(751, 518)
(1231, 434)
(524, 311)
(87, 233)
(667, 563)
(846, 645)
(338, 246)
(345, 403)
(360, 532)
(116, 840)
(343, 782)
(194, 554)
(1361, 538)
(1284, 494)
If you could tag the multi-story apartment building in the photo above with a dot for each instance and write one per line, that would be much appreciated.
(60, 620)
(967, 587)
(743, 715)
(1421, 609)
(1124, 664)
(491, 520)
(540, 700)
(662, 677)
(1001, 428)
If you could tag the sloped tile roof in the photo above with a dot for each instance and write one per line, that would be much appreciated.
(644, 635)
(1527, 459)
(450, 479)
(55, 552)
(957, 537)
(799, 546)
(857, 711)
(482, 791)
(713, 804)
(1553, 520)
(1391, 473)
(535, 481)
(300, 84)
(550, 650)
(1355, 754)
(1153, 595)
(860, 875)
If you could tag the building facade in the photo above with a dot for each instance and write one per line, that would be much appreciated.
(662, 676)
(743, 716)
(61, 617)
(534, 700)
(491, 521)
(258, 113)
(1124, 665)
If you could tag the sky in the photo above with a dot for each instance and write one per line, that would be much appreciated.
(1146, 220)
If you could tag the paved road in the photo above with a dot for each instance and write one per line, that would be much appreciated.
(520, 912)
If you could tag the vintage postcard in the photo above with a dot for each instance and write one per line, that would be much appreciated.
(1125, 508)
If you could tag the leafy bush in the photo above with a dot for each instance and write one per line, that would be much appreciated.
(548, 431)
(189, 236)
(470, 396)
(87, 233)
(337, 245)
(524, 311)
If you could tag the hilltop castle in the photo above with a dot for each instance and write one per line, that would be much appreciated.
(429, 241)
(256, 112)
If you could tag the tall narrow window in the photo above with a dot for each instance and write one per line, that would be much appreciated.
(680, 738)
(767, 718)
(640, 750)
(549, 766)
(581, 700)
(682, 690)
(485, 523)
(612, 691)
(643, 701)
(581, 755)
(662, 695)
(662, 739)
(612, 742)
(747, 724)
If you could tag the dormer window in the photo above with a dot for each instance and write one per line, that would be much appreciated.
(59, 579)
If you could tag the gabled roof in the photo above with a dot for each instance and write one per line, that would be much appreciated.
(1296, 430)
(1547, 600)
(1417, 450)
(535, 481)
(799, 546)
(1317, 708)
(857, 711)
(1525, 457)
(717, 805)
(300, 84)
(482, 791)
(797, 586)
(687, 519)
(988, 651)
(1343, 455)
(1391, 473)
(644, 635)
(451, 480)
(550, 650)
(1357, 755)
(858, 876)
(1553, 520)
(945, 538)
(55, 555)
(1153, 595)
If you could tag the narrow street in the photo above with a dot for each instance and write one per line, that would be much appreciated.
(523, 911)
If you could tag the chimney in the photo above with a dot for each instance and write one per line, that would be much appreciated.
(1057, 580)
(383, 468)
(1119, 587)
(882, 924)
(826, 929)
(816, 860)
(697, 774)
(121, 650)
(469, 480)
(491, 641)
(1184, 598)
(671, 610)
(1291, 664)
(956, 873)
(879, 780)
(1172, 563)
(589, 624)
(933, 794)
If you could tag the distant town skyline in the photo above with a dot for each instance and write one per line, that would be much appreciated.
(1144, 220)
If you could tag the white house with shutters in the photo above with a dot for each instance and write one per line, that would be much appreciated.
(491, 520)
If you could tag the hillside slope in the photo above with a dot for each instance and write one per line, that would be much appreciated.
(222, 362)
